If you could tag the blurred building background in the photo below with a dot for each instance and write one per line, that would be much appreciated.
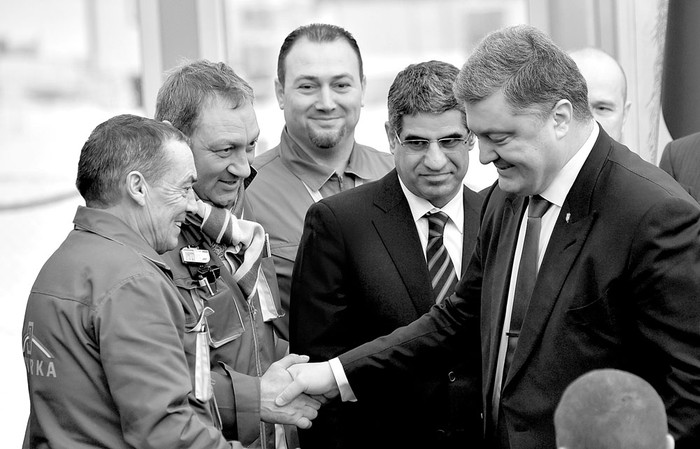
(67, 66)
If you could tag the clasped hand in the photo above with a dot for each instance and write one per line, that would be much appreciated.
(293, 390)
(298, 411)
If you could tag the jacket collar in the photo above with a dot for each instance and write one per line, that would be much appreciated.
(315, 175)
(107, 225)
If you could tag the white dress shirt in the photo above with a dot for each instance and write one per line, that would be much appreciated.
(453, 237)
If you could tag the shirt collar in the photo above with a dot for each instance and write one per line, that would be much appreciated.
(315, 175)
(559, 188)
(109, 226)
(420, 206)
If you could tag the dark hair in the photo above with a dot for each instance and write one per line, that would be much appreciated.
(188, 86)
(118, 146)
(423, 88)
(315, 32)
(530, 69)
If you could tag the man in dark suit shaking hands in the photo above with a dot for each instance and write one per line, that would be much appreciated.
(373, 259)
(615, 276)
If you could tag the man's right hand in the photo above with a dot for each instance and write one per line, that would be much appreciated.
(298, 411)
(314, 379)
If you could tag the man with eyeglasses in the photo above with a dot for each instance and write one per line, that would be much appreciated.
(379, 256)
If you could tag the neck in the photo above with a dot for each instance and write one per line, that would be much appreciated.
(335, 158)
(580, 132)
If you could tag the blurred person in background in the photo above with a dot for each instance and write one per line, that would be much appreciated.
(611, 409)
(104, 333)
(607, 88)
(228, 285)
(320, 87)
(379, 256)
(681, 159)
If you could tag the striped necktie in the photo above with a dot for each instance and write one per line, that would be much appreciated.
(440, 268)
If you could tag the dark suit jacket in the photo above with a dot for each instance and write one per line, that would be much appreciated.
(360, 273)
(619, 287)
(681, 159)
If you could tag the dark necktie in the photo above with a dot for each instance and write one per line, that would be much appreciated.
(440, 267)
(525, 283)
(527, 274)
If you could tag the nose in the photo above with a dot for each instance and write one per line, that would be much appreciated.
(191, 202)
(487, 154)
(239, 165)
(434, 158)
(326, 99)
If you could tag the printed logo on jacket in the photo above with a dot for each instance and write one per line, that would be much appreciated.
(37, 357)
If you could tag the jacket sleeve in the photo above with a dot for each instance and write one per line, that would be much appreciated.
(238, 401)
(665, 280)
(448, 331)
(318, 320)
(139, 329)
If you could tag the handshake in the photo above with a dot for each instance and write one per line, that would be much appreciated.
(292, 390)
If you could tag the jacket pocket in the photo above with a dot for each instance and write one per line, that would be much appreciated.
(225, 324)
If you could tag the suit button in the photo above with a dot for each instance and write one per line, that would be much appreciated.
(451, 376)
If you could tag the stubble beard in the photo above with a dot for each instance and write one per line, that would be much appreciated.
(326, 139)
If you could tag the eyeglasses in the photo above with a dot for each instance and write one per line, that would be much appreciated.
(446, 143)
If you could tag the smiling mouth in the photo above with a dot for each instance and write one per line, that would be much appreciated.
(503, 166)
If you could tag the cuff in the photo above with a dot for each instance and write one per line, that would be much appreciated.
(346, 393)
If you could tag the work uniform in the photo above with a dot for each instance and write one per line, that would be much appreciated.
(104, 346)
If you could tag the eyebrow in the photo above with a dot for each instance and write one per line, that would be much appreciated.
(318, 78)
(454, 135)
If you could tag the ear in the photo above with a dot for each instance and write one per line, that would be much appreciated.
(136, 187)
(391, 136)
(279, 93)
(562, 114)
(626, 111)
(364, 87)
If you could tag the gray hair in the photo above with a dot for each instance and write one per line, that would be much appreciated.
(188, 86)
(532, 71)
(118, 146)
(425, 87)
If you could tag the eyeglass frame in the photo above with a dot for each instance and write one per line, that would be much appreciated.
(465, 141)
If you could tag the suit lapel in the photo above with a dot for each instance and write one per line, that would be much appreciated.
(471, 215)
(394, 224)
(512, 214)
(570, 232)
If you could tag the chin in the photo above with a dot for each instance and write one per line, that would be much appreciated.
(224, 201)
(509, 186)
